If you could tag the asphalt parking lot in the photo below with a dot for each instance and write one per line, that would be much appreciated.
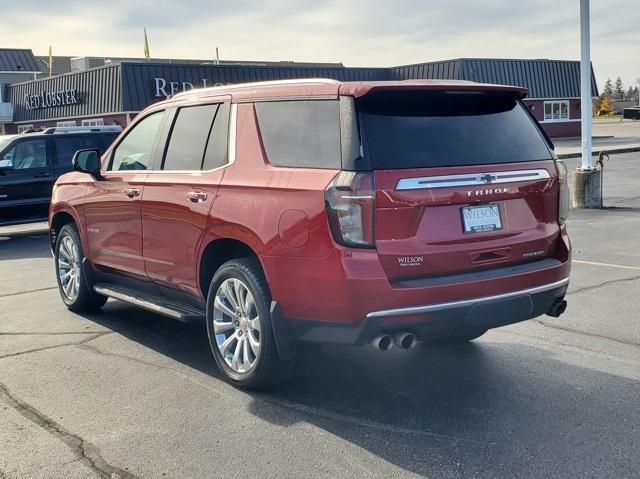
(127, 393)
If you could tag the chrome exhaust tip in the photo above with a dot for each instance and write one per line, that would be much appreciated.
(382, 342)
(405, 340)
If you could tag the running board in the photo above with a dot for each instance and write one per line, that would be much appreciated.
(170, 309)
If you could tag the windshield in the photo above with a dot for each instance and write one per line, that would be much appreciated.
(5, 140)
(429, 129)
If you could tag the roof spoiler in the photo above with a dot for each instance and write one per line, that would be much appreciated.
(432, 85)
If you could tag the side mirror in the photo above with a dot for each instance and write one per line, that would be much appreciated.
(6, 164)
(87, 161)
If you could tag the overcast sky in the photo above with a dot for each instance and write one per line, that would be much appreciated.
(355, 32)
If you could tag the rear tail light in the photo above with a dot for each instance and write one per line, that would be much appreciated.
(350, 202)
(563, 205)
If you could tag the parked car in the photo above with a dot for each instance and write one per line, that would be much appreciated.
(632, 113)
(31, 162)
(292, 212)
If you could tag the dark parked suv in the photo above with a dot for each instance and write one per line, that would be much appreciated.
(305, 211)
(31, 162)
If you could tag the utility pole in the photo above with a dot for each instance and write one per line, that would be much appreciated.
(587, 180)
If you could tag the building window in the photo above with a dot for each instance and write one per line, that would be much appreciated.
(93, 122)
(556, 110)
(23, 128)
(66, 123)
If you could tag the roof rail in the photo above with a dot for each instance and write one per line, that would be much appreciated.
(82, 129)
(259, 84)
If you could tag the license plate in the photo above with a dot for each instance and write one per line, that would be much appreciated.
(482, 218)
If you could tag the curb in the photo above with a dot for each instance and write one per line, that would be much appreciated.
(609, 151)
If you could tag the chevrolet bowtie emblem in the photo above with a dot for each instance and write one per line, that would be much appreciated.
(487, 178)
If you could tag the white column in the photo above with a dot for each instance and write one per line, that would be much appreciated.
(585, 85)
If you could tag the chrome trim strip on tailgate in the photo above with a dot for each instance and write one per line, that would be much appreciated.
(465, 302)
(474, 179)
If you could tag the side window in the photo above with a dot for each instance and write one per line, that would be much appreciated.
(134, 151)
(27, 155)
(66, 147)
(301, 133)
(189, 135)
(216, 154)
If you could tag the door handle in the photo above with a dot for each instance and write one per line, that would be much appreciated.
(45, 174)
(197, 196)
(132, 192)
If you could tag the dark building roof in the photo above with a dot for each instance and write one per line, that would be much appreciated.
(543, 78)
(18, 60)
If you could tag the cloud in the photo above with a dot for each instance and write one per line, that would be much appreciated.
(357, 32)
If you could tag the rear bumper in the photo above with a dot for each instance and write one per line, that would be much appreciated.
(346, 288)
(435, 320)
(469, 303)
(347, 298)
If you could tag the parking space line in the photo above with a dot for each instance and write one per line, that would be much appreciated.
(611, 265)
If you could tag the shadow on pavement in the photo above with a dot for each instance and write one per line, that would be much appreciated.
(485, 409)
(24, 245)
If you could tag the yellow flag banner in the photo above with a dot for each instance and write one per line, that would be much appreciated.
(146, 45)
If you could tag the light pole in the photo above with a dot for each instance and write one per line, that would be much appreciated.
(585, 84)
(587, 181)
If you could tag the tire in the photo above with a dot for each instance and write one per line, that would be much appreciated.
(250, 324)
(74, 289)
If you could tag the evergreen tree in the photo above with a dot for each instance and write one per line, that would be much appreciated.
(619, 90)
(630, 93)
(608, 87)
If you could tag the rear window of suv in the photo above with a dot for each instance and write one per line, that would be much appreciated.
(432, 129)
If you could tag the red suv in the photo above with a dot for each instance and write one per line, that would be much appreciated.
(305, 211)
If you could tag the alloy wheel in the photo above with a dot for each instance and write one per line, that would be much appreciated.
(236, 325)
(69, 268)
